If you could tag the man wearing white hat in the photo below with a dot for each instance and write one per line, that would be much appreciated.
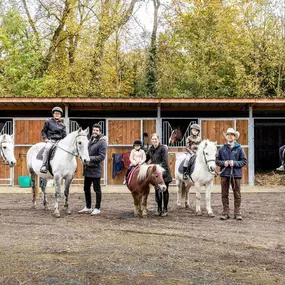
(231, 158)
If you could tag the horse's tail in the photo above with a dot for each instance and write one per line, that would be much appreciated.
(34, 177)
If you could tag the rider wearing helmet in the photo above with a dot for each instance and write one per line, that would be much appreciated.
(192, 143)
(137, 157)
(53, 131)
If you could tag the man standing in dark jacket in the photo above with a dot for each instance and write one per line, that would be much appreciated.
(97, 148)
(231, 158)
(53, 131)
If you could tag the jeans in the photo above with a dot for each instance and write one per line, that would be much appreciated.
(281, 150)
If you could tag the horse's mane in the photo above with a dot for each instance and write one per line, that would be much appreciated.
(144, 168)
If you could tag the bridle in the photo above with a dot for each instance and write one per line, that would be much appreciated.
(76, 154)
(215, 173)
(2, 151)
(207, 162)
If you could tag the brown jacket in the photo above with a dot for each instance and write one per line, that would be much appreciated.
(192, 143)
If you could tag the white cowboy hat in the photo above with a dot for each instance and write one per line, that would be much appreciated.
(232, 131)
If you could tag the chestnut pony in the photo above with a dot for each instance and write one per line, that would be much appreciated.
(141, 178)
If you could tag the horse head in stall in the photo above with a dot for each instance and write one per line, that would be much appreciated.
(139, 182)
(176, 135)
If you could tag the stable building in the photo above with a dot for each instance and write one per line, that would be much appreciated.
(260, 122)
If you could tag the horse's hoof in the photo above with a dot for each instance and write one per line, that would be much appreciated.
(179, 205)
(187, 206)
(199, 213)
(68, 212)
(57, 214)
(211, 215)
(33, 206)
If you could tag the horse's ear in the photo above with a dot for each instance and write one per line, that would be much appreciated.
(154, 168)
(215, 143)
(86, 131)
(79, 130)
(206, 142)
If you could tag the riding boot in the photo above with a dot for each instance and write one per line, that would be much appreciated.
(158, 199)
(165, 203)
(185, 174)
(45, 161)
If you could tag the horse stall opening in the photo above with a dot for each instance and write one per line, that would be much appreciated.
(6, 174)
(269, 136)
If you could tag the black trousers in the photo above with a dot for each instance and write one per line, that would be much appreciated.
(162, 199)
(97, 189)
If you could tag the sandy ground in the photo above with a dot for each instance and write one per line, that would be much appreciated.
(117, 248)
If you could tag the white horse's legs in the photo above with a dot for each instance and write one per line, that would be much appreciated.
(33, 181)
(187, 196)
(57, 195)
(208, 199)
(67, 183)
(44, 195)
(198, 199)
(179, 192)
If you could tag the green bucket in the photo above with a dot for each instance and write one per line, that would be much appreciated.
(24, 181)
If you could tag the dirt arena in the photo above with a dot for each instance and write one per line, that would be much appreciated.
(117, 248)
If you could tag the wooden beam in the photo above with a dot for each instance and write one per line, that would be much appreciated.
(277, 101)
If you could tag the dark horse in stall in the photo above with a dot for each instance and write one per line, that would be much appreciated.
(139, 182)
(176, 136)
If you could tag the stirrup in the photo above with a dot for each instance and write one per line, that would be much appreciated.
(43, 169)
(185, 176)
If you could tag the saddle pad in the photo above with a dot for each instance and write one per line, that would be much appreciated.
(190, 167)
(51, 154)
(40, 154)
(129, 178)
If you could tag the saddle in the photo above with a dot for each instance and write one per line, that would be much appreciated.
(190, 167)
(50, 156)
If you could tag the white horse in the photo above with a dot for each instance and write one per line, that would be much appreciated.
(63, 165)
(203, 175)
(7, 149)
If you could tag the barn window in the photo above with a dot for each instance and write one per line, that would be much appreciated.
(180, 125)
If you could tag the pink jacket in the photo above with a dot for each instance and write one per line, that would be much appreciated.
(137, 157)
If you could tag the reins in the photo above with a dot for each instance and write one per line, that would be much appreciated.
(207, 161)
(72, 153)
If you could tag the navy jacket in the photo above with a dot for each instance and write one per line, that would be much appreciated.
(53, 129)
(159, 156)
(97, 149)
(236, 154)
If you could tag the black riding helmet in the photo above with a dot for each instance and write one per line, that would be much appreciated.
(137, 142)
(57, 109)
